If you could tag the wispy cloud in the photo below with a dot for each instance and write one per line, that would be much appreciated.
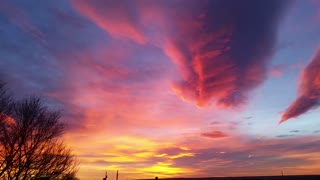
(295, 131)
(308, 96)
(214, 134)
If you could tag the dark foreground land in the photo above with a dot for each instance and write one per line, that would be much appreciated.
(302, 177)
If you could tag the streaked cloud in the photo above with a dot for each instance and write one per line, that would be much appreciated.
(213, 65)
(308, 96)
(207, 50)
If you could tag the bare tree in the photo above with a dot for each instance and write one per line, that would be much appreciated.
(30, 141)
(5, 139)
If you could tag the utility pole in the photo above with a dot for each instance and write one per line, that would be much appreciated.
(106, 176)
(117, 175)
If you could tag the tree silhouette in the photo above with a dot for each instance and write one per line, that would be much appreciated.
(30, 141)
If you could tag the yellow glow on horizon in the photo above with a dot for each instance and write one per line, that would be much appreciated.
(163, 168)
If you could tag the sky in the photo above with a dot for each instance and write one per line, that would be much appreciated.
(173, 88)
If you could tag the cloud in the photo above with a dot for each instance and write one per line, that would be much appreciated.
(116, 17)
(249, 117)
(278, 70)
(294, 131)
(317, 4)
(223, 59)
(101, 82)
(249, 157)
(204, 39)
(20, 19)
(308, 96)
(215, 123)
(285, 135)
(254, 157)
(214, 134)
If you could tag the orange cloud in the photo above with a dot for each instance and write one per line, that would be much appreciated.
(308, 95)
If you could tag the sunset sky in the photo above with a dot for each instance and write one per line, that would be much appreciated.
(173, 88)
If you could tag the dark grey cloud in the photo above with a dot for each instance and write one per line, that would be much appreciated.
(294, 131)
(227, 55)
(284, 135)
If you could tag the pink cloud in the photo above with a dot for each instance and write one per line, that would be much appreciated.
(102, 91)
(214, 134)
(214, 66)
(308, 95)
(278, 70)
(115, 17)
